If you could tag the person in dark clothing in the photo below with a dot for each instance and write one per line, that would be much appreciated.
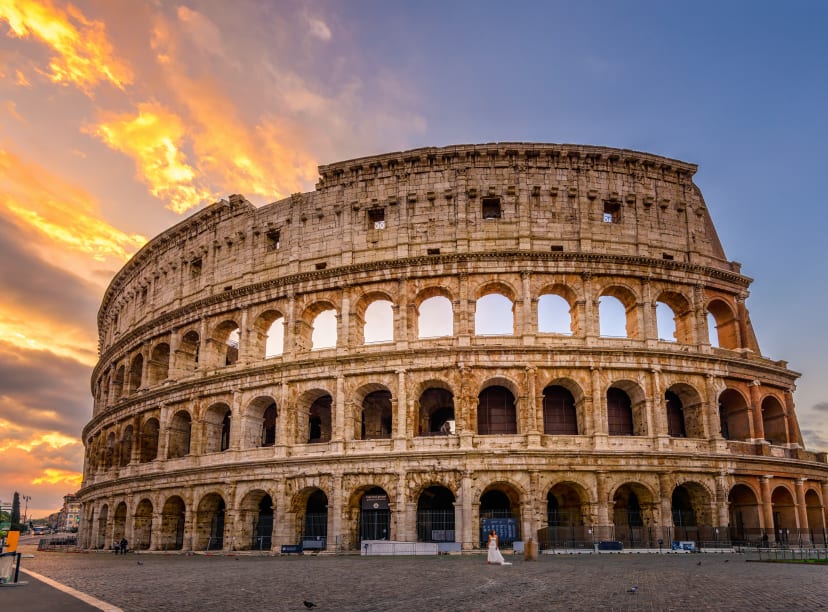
(123, 546)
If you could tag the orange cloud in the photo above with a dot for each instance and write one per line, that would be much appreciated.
(84, 55)
(153, 138)
(63, 214)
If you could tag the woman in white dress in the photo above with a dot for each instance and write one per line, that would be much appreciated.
(494, 558)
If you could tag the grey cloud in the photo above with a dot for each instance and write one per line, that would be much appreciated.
(821, 406)
(815, 440)
(36, 285)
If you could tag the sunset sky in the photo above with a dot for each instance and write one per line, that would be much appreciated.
(120, 117)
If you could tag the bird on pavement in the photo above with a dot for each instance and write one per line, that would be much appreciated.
(309, 604)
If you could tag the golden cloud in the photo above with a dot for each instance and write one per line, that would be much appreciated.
(53, 476)
(153, 138)
(84, 55)
(62, 213)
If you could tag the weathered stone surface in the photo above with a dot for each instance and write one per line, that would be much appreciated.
(200, 439)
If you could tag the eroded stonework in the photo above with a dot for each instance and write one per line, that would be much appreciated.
(205, 437)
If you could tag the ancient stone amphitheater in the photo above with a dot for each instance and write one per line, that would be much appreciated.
(543, 339)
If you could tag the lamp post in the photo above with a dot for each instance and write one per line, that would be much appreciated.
(26, 498)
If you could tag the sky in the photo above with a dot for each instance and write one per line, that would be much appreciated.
(118, 118)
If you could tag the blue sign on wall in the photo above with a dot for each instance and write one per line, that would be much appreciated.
(505, 528)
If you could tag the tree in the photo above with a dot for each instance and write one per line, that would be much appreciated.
(15, 513)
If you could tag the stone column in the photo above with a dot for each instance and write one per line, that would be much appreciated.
(666, 482)
(526, 325)
(466, 516)
(336, 507)
(801, 506)
(155, 528)
(711, 406)
(758, 426)
(767, 507)
(400, 415)
(164, 431)
(722, 503)
(534, 413)
(337, 435)
(590, 325)
(794, 433)
(658, 412)
(603, 527)
(344, 333)
(289, 341)
(599, 408)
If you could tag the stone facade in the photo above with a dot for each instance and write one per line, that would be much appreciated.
(205, 435)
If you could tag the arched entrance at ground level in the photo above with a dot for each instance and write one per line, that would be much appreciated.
(101, 531)
(374, 515)
(683, 513)
(142, 530)
(784, 515)
(435, 515)
(255, 526)
(119, 522)
(566, 512)
(745, 525)
(209, 523)
(315, 520)
(500, 510)
(632, 515)
(816, 521)
(172, 524)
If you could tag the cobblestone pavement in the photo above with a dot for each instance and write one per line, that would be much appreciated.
(462, 583)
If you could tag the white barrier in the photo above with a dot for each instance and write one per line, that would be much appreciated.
(389, 548)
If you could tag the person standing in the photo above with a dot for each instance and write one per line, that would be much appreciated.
(494, 557)
(123, 546)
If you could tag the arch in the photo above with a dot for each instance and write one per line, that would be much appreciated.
(189, 349)
(494, 315)
(323, 330)
(679, 320)
(172, 523)
(675, 415)
(435, 515)
(118, 383)
(149, 440)
(319, 420)
(103, 517)
(691, 405)
(227, 342)
(142, 525)
(180, 434)
(217, 422)
(374, 515)
(374, 316)
(559, 412)
(314, 516)
(784, 513)
(632, 512)
(256, 521)
(684, 515)
(136, 368)
(618, 313)
(110, 460)
(725, 334)
(556, 312)
(665, 323)
(376, 416)
(774, 421)
(733, 415)
(567, 505)
(209, 523)
(816, 517)
(496, 411)
(269, 329)
(500, 511)
(620, 420)
(435, 407)
(260, 423)
(119, 520)
(158, 368)
(125, 450)
(435, 317)
(745, 523)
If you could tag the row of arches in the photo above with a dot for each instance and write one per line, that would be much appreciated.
(373, 414)
(617, 311)
(262, 521)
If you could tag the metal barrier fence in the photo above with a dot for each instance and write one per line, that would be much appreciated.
(793, 554)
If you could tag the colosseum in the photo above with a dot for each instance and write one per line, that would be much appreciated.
(547, 340)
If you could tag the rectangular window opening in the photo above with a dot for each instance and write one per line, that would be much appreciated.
(556, 248)
(612, 212)
(491, 208)
(273, 240)
(321, 266)
(195, 267)
(667, 256)
(376, 218)
(433, 251)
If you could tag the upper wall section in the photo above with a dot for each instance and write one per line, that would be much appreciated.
(502, 197)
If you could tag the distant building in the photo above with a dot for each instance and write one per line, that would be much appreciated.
(68, 519)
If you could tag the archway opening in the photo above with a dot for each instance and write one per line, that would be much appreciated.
(436, 409)
(315, 523)
(496, 413)
(172, 524)
(745, 525)
(374, 515)
(435, 515)
(500, 511)
(559, 414)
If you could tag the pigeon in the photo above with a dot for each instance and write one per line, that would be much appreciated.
(632, 589)
(140, 562)
(699, 563)
(309, 604)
